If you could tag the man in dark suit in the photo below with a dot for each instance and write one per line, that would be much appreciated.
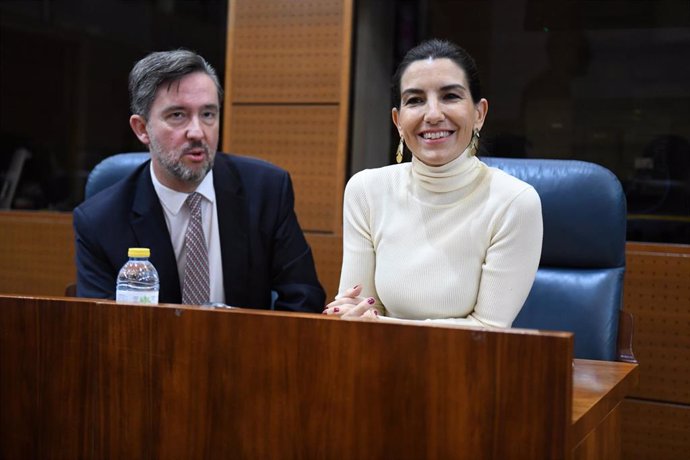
(254, 245)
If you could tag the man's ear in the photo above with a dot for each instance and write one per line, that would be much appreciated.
(138, 124)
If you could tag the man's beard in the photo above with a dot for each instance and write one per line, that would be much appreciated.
(171, 161)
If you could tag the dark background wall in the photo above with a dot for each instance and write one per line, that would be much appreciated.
(601, 81)
(63, 82)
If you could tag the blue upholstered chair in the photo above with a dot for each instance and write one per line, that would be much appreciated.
(579, 283)
(111, 170)
(105, 174)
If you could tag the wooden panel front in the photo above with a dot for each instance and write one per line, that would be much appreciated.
(598, 389)
(84, 379)
(657, 293)
(655, 431)
(36, 252)
(300, 139)
(604, 443)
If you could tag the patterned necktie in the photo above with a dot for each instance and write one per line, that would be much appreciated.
(195, 290)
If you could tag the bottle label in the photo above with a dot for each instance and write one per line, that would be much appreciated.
(148, 297)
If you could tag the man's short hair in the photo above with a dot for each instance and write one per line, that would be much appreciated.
(164, 67)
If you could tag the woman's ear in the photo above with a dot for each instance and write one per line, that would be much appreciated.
(395, 115)
(482, 108)
(138, 125)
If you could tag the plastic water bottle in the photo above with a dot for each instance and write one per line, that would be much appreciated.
(137, 281)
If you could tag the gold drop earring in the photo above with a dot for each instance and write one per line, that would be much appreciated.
(475, 141)
(399, 152)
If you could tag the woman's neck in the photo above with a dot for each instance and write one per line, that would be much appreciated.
(447, 184)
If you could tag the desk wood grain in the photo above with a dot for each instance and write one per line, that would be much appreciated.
(599, 387)
(94, 379)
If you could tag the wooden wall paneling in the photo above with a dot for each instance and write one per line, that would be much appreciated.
(229, 68)
(287, 101)
(288, 51)
(339, 178)
(343, 133)
(660, 248)
(657, 293)
(328, 256)
(36, 252)
(302, 140)
(655, 431)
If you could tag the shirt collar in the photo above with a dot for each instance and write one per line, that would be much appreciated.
(173, 200)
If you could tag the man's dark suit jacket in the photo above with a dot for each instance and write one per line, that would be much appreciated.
(262, 245)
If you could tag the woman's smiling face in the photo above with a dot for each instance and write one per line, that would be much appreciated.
(437, 115)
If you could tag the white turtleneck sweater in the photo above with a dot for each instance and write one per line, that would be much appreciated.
(458, 243)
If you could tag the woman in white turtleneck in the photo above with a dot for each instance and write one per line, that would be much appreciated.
(443, 238)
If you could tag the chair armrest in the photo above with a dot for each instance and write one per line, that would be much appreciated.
(626, 325)
(71, 290)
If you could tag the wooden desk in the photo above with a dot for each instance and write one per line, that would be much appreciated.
(82, 378)
(599, 387)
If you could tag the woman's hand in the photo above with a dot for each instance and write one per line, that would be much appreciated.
(352, 306)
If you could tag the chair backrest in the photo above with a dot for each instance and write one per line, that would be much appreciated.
(579, 283)
(111, 170)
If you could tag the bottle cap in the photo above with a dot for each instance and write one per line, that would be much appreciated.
(139, 252)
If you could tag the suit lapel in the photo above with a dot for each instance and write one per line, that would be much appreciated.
(148, 224)
(233, 224)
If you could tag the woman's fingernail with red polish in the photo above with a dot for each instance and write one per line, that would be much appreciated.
(371, 301)
(336, 310)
